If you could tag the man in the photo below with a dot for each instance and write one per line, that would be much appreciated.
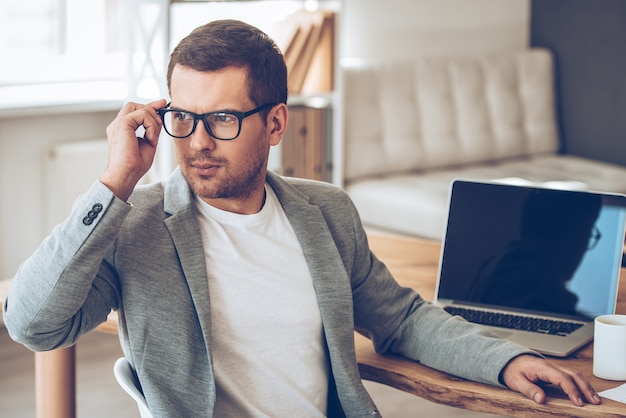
(238, 291)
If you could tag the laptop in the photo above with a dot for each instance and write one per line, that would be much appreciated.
(534, 264)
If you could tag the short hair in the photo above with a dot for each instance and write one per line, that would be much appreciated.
(231, 43)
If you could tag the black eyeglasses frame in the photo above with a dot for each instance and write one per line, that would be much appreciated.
(196, 117)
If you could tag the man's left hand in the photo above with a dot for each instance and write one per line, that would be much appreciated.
(524, 372)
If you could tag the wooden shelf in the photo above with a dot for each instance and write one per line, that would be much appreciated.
(304, 148)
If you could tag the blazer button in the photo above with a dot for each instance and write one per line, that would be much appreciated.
(92, 214)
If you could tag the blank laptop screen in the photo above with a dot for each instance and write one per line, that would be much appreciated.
(532, 249)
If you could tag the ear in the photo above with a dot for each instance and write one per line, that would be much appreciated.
(277, 123)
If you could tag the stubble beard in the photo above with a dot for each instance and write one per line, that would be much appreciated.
(227, 184)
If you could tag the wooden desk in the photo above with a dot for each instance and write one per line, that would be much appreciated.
(414, 263)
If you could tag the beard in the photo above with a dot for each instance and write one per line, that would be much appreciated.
(230, 182)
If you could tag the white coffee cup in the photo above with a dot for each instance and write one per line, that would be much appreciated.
(609, 347)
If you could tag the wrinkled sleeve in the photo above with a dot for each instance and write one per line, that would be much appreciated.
(67, 287)
(400, 321)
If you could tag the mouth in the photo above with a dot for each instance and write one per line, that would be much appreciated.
(204, 168)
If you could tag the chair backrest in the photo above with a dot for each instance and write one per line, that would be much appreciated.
(437, 112)
(125, 376)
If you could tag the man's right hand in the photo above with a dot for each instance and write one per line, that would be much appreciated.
(130, 157)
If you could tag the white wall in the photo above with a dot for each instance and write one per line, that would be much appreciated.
(396, 29)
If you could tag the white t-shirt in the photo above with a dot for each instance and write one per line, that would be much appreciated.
(269, 353)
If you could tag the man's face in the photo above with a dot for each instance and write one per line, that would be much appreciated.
(227, 174)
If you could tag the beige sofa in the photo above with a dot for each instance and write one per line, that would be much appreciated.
(412, 127)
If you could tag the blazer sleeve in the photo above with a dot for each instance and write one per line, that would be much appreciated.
(66, 288)
(399, 321)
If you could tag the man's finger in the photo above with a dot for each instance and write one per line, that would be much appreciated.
(526, 387)
(583, 386)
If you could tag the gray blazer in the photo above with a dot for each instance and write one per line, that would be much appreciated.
(145, 260)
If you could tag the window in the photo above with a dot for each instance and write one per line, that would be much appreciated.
(72, 50)
(69, 51)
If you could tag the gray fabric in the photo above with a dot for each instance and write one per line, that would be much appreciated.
(146, 261)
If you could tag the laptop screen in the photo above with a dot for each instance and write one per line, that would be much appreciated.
(532, 249)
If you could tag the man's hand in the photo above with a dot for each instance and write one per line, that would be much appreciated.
(130, 157)
(523, 372)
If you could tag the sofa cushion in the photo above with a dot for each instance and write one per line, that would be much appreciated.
(416, 204)
(443, 112)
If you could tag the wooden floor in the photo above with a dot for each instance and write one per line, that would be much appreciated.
(99, 396)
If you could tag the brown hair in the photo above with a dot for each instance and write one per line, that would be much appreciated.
(231, 43)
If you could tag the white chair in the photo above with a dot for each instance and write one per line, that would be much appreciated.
(125, 376)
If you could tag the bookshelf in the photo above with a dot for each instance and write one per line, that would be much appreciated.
(309, 50)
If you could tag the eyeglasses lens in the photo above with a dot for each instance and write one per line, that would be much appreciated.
(220, 125)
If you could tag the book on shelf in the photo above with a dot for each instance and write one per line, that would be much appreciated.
(307, 43)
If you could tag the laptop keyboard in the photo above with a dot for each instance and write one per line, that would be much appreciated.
(543, 326)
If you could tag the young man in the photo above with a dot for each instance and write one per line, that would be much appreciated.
(238, 291)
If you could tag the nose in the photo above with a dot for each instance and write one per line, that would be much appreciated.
(201, 140)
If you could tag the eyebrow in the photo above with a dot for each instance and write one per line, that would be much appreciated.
(204, 113)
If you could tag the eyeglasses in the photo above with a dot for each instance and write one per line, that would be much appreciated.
(594, 238)
(220, 125)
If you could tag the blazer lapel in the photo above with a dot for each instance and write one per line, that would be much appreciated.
(184, 230)
(330, 279)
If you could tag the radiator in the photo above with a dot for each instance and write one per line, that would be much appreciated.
(70, 169)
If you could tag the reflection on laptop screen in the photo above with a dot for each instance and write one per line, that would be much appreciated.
(524, 248)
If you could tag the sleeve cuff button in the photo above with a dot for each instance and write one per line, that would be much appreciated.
(92, 214)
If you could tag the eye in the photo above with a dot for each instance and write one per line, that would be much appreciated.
(182, 116)
(223, 118)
